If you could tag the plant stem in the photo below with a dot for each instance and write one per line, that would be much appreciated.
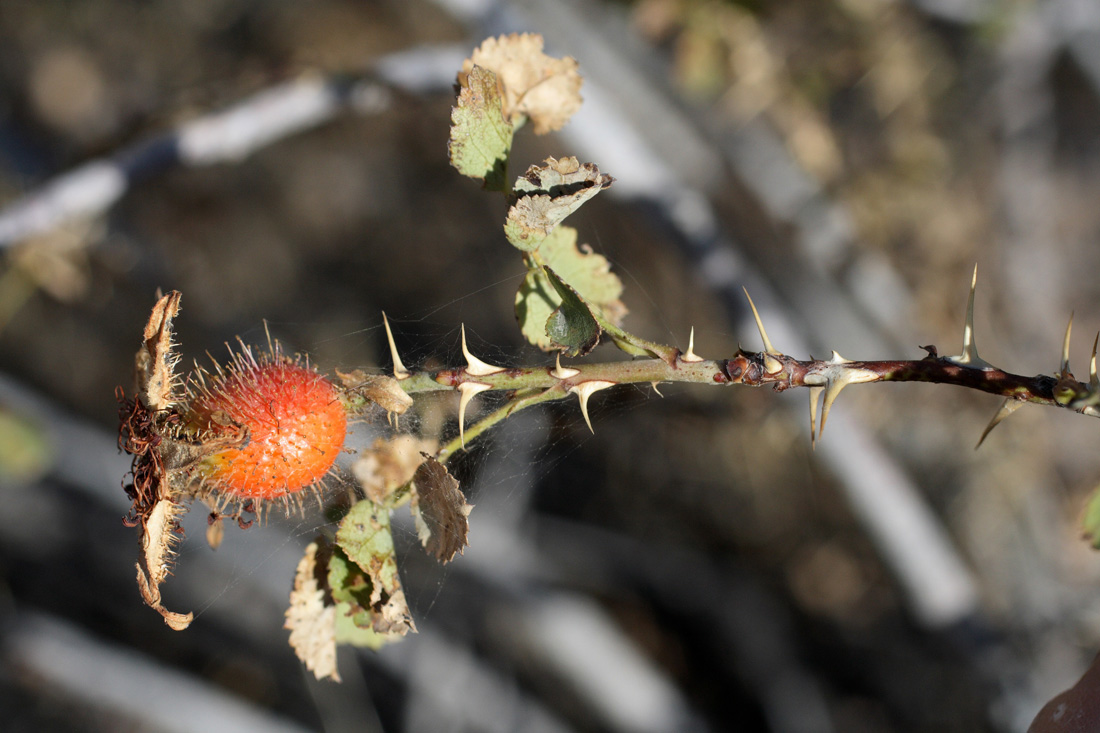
(751, 369)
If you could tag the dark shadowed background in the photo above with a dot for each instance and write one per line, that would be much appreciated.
(693, 565)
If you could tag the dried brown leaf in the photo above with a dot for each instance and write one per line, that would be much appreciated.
(311, 622)
(440, 510)
(548, 193)
(389, 464)
(541, 88)
(383, 391)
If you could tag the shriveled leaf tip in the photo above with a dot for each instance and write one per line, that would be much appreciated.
(540, 88)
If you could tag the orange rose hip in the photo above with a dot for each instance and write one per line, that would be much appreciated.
(295, 422)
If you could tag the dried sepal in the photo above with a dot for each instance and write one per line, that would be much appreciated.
(440, 510)
(158, 386)
(540, 88)
(311, 621)
(159, 538)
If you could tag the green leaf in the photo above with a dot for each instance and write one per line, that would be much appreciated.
(1091, 522)
(349, 632)
(571, 325)
(481, 139)
(586, 273)
(546, 194)
(363, 572)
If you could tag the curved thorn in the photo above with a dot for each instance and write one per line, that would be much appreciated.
(838, 359)
(476, 366)
(1007, 407)
(584, 390)
(970, 348)
(815, 395)
(399, 370)
(1064, 367)
(1094, 382)
(560, 372)
(691, 356)
(768, 348)
(467, 391)
(832, 389)
(969, 355)
(655, 386)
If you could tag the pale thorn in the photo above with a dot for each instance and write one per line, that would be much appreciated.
(1064, 367)
(655, 386)
(832, 389)
(1007, 407)
(690, 356)
(838, 359)
(969, 355)
(560, 372)
(399, 370)
(476, 366)
(467, 391)
(584, 390)
(1094, 382)
(815, 394)
(768, 348)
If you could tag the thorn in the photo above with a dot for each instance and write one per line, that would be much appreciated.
(1064, 371)
(655, 385)
(561, 373)
(1094, 382)
(467, 390)
(399, 370)
(584, 390)
(838, 359)
(691, 356)
(832, 389)
(772, 365)
(1007, 407)
(969, 355)
(476, 366)
(815, 393)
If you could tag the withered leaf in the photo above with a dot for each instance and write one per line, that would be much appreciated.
(389, 464)
(368, 580)
(383, 391)
(541, 88)
(440, 510)
(312, 622)
(548, 193)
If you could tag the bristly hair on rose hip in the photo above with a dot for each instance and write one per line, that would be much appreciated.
(290, 420)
